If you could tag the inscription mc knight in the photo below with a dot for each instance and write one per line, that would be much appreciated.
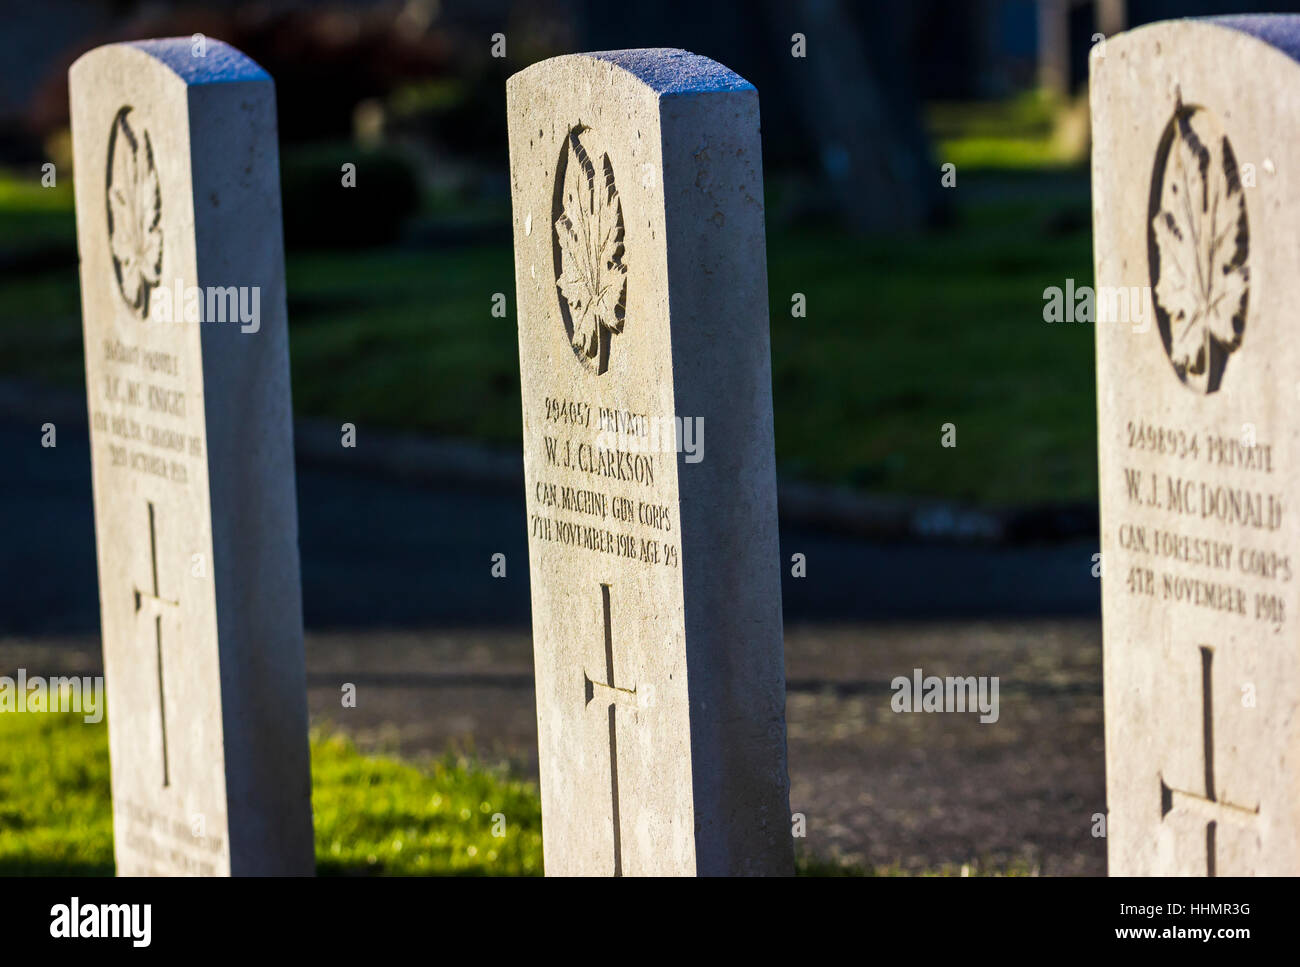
(191, 449)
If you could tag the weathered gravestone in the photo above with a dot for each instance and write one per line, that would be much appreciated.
(642, 285)
(178, 218)
(1196, 188)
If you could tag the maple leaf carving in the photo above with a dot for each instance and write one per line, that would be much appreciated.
(1200, 233)
(134, 213)
(593, 275)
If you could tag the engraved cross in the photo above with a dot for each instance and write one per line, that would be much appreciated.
(155, 603)
(1206, 806)
(613, 696)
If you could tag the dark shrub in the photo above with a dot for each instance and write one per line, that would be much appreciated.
(319, 212)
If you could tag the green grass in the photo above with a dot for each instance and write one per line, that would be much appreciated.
(381, 815)
(26, 196)
(373, 815)
(406, 340)
(54, 797)
(1018, 133)
(901, 336)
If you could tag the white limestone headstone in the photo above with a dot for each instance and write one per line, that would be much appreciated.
(641, 277)
(178, 219)
(1196, 190)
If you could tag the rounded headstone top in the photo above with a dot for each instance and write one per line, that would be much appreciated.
(1278, 30)
(665, 70)
(219, 63)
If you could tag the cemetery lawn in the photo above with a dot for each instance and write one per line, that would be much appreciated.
(373, 815)
(1019, 132)
(901, 336)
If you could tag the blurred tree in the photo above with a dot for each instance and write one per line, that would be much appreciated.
(860, 110)
(325, 58)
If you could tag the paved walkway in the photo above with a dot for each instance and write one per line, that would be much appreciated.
(376, 553)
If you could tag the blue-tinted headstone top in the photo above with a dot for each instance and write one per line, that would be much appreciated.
(1279, 30)
(219, 64)
(667, 70)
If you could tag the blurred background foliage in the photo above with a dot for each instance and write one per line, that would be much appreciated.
(924, 302)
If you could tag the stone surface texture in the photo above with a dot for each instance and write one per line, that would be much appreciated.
(642, 288)
(1196, 186)
(192, 452)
